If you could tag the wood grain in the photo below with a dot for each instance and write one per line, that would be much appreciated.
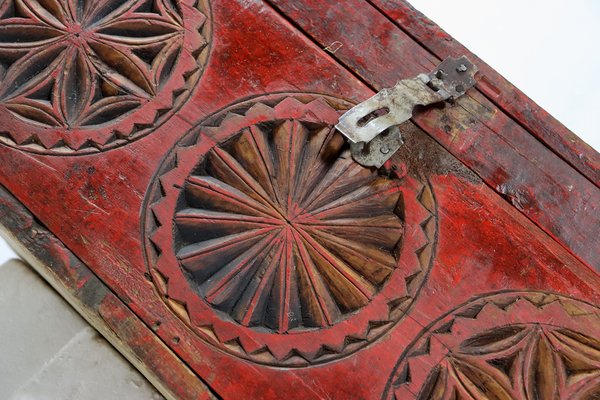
(504, 154)
(95, 302)
(245, 152)
(497, 89)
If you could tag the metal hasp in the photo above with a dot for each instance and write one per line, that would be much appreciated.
(372, 126)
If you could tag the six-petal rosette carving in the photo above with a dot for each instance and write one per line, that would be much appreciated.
(72, 65)
(509, 346)
(86, 63)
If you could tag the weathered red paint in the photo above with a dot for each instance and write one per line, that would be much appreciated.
(487, 207)
(483, 136)
(495, 87)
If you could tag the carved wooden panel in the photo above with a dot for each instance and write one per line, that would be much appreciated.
(258, 232)
(172, 167)
(70, 70)
(527, 345)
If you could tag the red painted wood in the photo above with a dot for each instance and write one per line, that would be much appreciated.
(238, 231)
(497, 89)
(477, 132)
(96, 302)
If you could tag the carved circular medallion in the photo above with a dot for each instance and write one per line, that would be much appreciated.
(85, 76)
(274, 245)
(524, 345)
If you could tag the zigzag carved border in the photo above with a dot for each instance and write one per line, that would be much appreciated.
(131, 129)
(223, 334)
(483, 335)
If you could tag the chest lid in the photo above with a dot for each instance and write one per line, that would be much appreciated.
(174, 169)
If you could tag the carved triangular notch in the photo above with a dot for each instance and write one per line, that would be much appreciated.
(209, 331)
(326, 351)
(294, 357)
(427, 199)
(504, 364)
(353, 341)
(445, 328)
(44, 92)
(403, 376)
(398, 307)
(412, 282)
(421, 348)
(471, 312)
(236, 345)
(376, 327)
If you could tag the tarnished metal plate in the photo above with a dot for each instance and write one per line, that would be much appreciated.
(367, 125)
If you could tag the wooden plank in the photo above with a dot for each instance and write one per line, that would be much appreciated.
(510, 160)
(497, 89)
(152, 217)
(95, 302)
(94, 203)
(49, 351)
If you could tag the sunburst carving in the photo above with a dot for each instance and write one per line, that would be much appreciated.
(266, 238)
(508, 347)
(279, 229)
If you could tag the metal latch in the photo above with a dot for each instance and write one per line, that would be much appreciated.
(372, 126)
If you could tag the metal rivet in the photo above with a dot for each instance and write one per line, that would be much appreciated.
(384, 150)
(461, 68)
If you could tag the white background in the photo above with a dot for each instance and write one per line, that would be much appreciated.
(547, 48)
(5, 252)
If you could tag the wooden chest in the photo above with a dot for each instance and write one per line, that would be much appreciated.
(173, 169)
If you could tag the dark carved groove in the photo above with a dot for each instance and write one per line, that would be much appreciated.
(94, 70)
(269, 227)
(260, 228)
(525, 345)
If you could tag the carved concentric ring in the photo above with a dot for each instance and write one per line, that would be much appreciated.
(523, 345)
(84, 76)
(275, 246)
